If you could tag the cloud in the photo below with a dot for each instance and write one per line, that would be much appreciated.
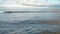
(25, 4)
(33, 3)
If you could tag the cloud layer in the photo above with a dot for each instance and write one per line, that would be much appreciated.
(23, 3)
(31, 4)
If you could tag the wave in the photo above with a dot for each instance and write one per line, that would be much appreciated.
(27, 27)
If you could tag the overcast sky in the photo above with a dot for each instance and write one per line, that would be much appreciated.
(36, 2)
(27, 3)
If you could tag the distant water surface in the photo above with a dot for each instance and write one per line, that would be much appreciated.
(28, 16)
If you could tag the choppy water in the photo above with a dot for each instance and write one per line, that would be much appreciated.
(27, 23)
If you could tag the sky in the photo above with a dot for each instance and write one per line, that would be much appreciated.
(27, 3)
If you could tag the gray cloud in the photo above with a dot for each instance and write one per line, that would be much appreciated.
(50, 7)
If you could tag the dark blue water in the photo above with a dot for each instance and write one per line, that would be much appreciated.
(27, 23)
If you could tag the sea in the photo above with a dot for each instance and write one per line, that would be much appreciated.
(29, 23)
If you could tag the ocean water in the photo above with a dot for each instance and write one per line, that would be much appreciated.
(29, 23)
